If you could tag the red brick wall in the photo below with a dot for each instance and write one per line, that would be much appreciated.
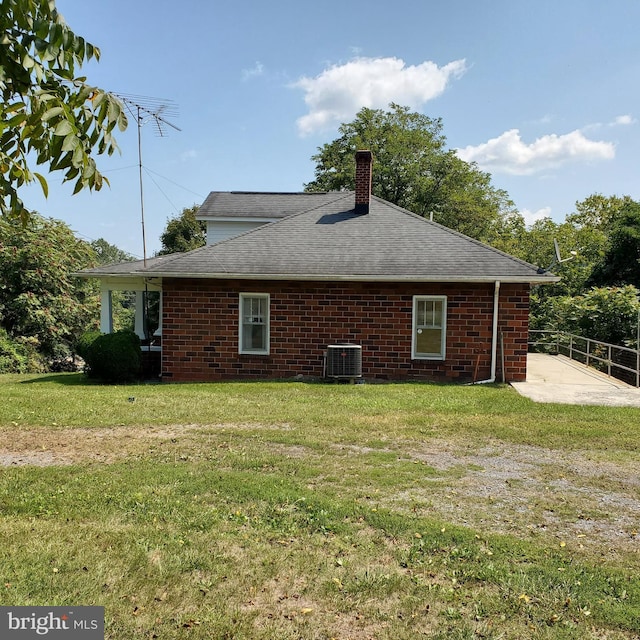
(200, 329)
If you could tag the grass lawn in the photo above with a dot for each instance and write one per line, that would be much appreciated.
(311, 511)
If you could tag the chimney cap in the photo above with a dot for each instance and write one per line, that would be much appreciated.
(364, 155)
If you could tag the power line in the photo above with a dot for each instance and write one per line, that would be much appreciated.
(173, 182)
(160, 190)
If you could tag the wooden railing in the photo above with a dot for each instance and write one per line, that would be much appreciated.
(616, 361)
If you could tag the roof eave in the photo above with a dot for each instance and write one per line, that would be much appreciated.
(234, 218)
(112, 274)
(534, 279)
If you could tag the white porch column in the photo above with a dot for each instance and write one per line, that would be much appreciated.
(140, 315)
(158, 331)
(106, 315)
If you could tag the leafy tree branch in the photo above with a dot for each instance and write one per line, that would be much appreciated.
(47, 114)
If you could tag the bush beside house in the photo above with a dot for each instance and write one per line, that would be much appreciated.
(112, 357)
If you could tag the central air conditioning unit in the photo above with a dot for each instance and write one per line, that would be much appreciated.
(344, 361)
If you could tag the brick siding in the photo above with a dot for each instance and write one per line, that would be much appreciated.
(200, 329)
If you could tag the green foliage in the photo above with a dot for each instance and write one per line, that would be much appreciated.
(39, 298)
(621, 263)
(414, 169)
(598, 211)
(18, 355)
(536, 246)
(107, 253)
(123, 309)
(115, 357)
(85, 341)
(46, 112)
(608, 314)
(605, 234)
(183, 233)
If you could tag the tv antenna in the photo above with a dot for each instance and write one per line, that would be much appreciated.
(558, 259)
(155, 110)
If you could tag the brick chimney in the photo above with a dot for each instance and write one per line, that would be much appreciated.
(364, 160)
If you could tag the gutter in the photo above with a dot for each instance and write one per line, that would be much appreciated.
(327, 277)
(494, 337)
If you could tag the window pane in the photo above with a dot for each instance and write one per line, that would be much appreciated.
(253, 310)
(253, 337)
(422, 313)
(429, 341)
(429, 313)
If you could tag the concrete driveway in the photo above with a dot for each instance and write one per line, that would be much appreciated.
(560, 379)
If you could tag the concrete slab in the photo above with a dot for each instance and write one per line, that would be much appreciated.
(560, 379)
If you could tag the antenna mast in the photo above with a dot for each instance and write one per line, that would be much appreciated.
(145, 109)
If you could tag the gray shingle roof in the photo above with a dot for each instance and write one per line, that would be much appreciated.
(232, 204)
(330, 241)
(128, 268)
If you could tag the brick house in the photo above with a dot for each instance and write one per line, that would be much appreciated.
(287, 280)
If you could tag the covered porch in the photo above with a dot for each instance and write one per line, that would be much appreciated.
(147, 314)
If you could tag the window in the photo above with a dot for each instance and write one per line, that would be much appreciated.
(429, 327)
(254, 323)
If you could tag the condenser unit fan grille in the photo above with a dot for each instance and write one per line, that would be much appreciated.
(344, 361)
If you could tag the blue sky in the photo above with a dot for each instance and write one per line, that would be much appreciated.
(543, 95)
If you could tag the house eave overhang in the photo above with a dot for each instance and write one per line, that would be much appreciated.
(238, 218)
(117, 275)
(353, 277)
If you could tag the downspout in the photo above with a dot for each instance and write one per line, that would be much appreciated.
(494, 337)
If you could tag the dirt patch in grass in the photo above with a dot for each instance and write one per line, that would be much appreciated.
(44, 446)
(576, 498)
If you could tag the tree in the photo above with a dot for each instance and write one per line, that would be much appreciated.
(607, 314)
(536, 246)
(46, 113)
(107, 253)
(598, 211)
(183, 233)
(40, 300)
(415, 170)
(620, 264)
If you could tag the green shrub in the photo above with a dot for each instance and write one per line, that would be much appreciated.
(12, 356)
(19, 355)
(115, 357)
(85, 341)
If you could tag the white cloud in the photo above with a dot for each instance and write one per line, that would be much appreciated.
(256, 70)
(509, 154)
(190, 154)
(624, 120)
(532, 216)
(339, 92)
(619, 121)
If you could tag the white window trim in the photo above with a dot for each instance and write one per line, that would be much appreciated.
(253, 352)
(443, 343)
